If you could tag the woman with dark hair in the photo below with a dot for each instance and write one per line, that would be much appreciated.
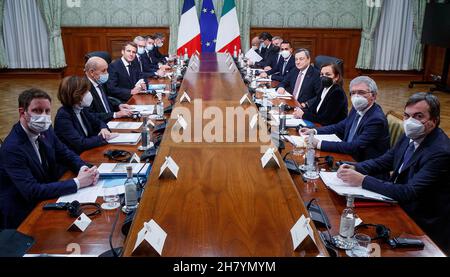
(74, 125)
(330, 106)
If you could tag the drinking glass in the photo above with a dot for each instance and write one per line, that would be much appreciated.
(361, 248)
(110, 198)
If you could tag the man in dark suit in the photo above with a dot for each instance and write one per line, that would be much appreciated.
(150, 55)
(284, 65)
(269, 50)
(125, 76)
(32, 159)
(303, 81)
(159, 43)
(96, 70)
(147, 68)
(420, 161)
(364, 133)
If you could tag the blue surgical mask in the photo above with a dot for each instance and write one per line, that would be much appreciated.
(150, 47)
(103, 78)
(141, 50)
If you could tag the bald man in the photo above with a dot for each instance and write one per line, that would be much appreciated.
(103, 107)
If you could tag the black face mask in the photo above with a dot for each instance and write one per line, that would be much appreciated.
(326, 81)
(276, 48)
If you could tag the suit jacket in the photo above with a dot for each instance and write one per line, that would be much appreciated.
(332, 110)
(69, 130)
(310, 87)
(268, 55)
(151, 59)
(423, 186)
(159, 56)
(120, 83)
(371, 139)
(23, 180)
(145, 66)
(277, 72)
(97, 109)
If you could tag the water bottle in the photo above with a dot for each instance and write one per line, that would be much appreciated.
(347, 226)
(160, 109)
(312, 170)
(283, 130)
(145, 134)
(131, 192)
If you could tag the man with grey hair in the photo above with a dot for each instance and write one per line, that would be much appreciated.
(419, 163)
(103, 107)
(303, 82)
(364, 133)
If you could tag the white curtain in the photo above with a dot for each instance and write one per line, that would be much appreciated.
(25, 35)
(394, 39)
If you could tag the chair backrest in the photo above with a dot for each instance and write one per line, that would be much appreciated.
(395, 125)
(321, 60)
(1, 142)
(102, 54)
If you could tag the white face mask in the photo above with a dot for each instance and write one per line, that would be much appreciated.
(359, 102)
(160, 45)
(39, 123)
(141, 50)
(87, 100)
(149, 47)
(414, 129)
(285, 54)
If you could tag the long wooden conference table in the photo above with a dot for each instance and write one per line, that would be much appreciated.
(223, 203)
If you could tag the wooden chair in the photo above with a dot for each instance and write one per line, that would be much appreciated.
(395, 125)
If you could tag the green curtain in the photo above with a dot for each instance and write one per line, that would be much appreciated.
(418, 16)
(3, 59)
(370, 18)
(243, 7)
(51, 12)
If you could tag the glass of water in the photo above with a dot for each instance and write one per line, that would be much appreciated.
(361, 248)
(110, 198)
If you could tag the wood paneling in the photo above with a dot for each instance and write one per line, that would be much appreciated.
(434, 62)
(341, 43)
(79, 41)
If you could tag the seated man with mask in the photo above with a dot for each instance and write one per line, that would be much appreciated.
(32, 160)
(96, 70)
(364, 133)
(419, 163)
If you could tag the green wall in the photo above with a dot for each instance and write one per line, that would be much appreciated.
(265, 13)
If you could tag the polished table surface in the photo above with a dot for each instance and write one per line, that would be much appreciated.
(223, 202)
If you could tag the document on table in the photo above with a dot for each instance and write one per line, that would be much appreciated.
(298, 141)
(120, 169)
(84, 195)
(124, 125)
(126, 138)
(334, 183)
(253, 56)
(143, 108)
(291, 121)
(332, 137)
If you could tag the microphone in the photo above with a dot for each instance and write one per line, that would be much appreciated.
(292, 165)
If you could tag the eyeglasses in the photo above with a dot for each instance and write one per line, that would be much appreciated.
(359, 92)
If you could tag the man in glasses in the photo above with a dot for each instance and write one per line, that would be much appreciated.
(419, 162)
(364, 133)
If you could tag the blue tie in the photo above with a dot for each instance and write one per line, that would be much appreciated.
(407, 156)
(352, 132)
(105, 98)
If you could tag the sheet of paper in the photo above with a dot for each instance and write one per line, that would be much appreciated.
(127, 138)
(291, 121)
(332, 137)
(298, 141)
(120, 169)
(299, 232)
(334, 183)
(153, 234)
(124, 125)
(84, 195)
(253, 56)
(268, 156)
(143, 108)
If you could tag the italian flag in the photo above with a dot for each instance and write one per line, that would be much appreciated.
(228, 35)
(189, 30)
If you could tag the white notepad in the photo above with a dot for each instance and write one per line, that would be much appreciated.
(126, 138)
(124, 125)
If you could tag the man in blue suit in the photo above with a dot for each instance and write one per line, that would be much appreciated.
(125, 76)
(364, 133)
(32, 160)
(303, 82)
(420, 161)
(283, 65)
(147, 68)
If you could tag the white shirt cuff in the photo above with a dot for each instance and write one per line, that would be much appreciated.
(77, 182)
(319, 145)
(114, 116)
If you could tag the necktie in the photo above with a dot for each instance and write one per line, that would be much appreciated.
(284, 67)
(128, 69)
(140, 62)
(105, 99)
(407, 156)
(41, 147)
(352, 132)
(297, 85)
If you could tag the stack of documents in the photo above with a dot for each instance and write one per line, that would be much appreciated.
(124, 125)
(143, 108)
(253, 56)
(126, 138)
(334, 183)
(115, 170)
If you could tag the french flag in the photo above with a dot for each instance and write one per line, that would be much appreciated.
(189, 30)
